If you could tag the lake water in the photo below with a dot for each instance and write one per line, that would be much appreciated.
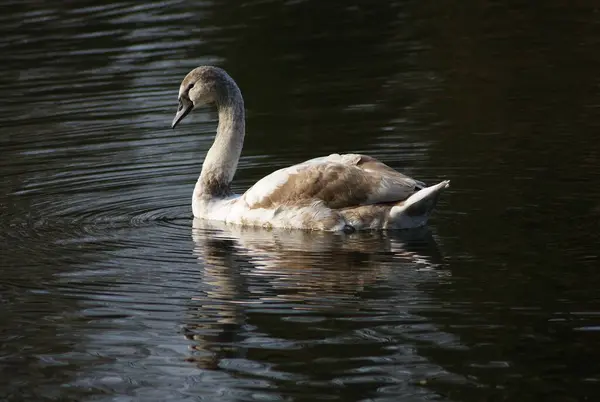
(110, 291)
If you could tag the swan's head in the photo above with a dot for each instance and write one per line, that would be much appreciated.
(201, 86)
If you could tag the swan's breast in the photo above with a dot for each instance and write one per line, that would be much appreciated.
(214, 209)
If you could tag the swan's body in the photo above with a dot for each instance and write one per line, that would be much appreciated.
(336, 192)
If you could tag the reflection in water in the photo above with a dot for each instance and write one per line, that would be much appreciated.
(308, 309)
(315, 264)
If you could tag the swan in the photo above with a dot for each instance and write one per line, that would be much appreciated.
(345, 192)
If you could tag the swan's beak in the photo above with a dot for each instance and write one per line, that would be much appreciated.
(185, 106)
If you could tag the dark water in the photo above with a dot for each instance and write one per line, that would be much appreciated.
(109, 291)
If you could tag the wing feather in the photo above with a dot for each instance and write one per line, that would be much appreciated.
(339, 181)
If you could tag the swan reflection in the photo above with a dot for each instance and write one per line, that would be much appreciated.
(264, 283)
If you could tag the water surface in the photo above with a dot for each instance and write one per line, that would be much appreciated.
(110, 291)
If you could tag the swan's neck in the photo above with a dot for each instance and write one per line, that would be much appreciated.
(222, 159)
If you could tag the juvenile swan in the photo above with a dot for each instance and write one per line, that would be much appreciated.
(336, 192)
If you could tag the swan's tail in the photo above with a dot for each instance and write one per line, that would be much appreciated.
(415, 210)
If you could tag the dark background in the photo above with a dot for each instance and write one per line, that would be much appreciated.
(107, 293)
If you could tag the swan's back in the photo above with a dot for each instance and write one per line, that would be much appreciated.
(339, 181)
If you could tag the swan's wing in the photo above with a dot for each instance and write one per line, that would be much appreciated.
(339, 181)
